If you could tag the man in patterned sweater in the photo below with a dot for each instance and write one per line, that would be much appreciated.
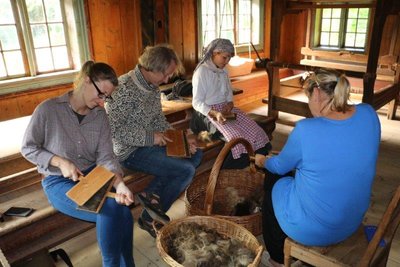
(138, 125)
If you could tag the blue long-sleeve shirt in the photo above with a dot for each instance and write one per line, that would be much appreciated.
(335, 162)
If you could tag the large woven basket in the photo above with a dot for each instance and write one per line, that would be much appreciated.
(223, 227)
(207, 195)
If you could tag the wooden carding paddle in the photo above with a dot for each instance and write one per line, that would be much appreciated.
(179, 146)
(91, 190)
(230, 116)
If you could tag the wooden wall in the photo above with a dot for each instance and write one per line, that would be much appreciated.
(293, 37)
(115, 32)
(182, 16)
(391, 36)
(115, 35)
(23, 104)
(115, 38)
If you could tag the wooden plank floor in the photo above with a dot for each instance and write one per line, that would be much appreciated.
(84, 252)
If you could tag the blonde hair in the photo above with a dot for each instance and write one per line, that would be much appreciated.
(96, 71)
(159, 57)
(334, 84)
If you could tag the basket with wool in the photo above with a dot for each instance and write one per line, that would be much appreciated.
(207, 195)
(223, 227)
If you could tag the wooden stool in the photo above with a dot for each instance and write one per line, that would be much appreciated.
(354, 251)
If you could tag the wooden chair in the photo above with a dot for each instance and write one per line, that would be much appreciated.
(354, 251)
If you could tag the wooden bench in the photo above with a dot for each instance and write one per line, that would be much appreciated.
(21, 238)
(45, 228)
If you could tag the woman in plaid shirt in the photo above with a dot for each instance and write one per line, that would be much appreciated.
(213, 99)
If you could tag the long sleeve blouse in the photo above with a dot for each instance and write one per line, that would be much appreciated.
(334, 163)
(54, 129)
(211, 85)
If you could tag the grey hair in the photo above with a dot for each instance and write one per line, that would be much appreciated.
(159, 57)
(334, 84)
(216, 45)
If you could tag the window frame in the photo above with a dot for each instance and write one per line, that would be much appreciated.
(78, 46)
(242, 47)
(316, 32)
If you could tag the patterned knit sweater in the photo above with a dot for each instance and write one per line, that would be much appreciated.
(135, 113)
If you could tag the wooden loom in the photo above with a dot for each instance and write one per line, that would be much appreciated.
(375, 76)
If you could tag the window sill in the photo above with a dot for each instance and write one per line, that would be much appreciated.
(41, 81)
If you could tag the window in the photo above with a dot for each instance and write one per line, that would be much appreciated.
(38, 39)
(240, 21)
(342, 28)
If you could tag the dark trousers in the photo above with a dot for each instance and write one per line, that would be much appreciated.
(199, 123)
(274, 237)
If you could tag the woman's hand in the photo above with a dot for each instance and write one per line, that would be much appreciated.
(67, 168)
(260, 160)
(160, 139)
(218, 116)
(123, 195)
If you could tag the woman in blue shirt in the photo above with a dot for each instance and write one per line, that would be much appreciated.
(334, 158)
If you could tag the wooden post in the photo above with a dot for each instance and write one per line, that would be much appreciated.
(382, 10)
(278, 7)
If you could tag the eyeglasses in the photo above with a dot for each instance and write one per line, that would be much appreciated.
(100, 94)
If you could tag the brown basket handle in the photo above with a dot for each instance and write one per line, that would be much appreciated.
(212, 180)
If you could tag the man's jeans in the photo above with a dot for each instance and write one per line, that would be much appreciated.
(114, 222)
(172, 175)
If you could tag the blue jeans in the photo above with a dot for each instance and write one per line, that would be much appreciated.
(172, 175)
(114, 222)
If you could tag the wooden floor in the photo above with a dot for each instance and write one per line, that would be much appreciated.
(84, 251)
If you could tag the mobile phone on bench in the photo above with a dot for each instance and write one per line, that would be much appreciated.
(18, 211)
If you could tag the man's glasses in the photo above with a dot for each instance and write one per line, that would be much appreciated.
(100, 94)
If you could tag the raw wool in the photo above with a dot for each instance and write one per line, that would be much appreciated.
(194, 245)
(204, 136)
(241, 206)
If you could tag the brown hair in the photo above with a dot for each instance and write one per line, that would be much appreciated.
(97, 71)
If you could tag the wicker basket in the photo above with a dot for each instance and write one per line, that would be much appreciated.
(207, 195)
(223, 227)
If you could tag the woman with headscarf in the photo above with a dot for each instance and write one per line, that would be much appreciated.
(213, 101)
